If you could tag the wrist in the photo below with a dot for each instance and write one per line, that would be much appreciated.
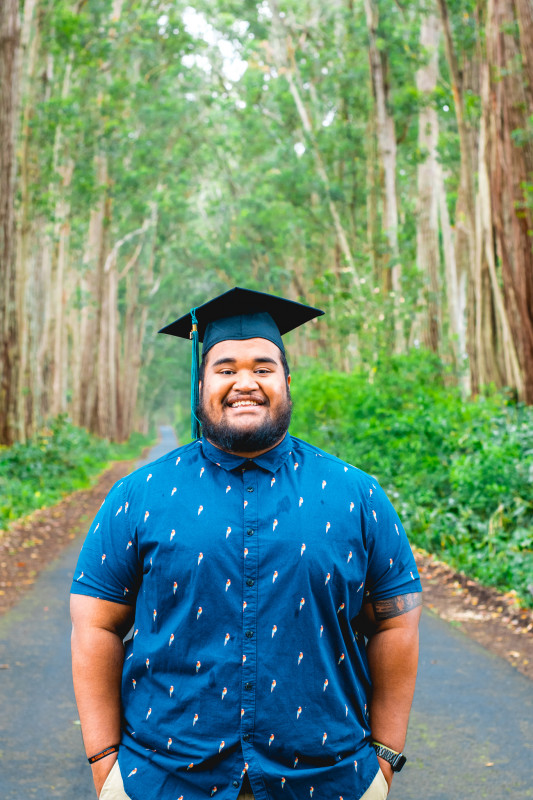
(394, 758)
(107, 751)
(386, 769)
(101, 770)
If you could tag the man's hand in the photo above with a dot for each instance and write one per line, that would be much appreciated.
(101, 770)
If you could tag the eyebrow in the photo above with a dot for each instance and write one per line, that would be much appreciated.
(261, 360)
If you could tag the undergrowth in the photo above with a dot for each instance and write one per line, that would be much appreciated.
(460, 473)
(56, 462)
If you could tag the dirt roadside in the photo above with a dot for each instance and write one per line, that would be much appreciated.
(33, 542)
(492, 619)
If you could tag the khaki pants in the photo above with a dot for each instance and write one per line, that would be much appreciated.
(378, 790)
(113, 788)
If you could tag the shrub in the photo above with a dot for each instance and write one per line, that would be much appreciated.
(57, 461)
(459, 473)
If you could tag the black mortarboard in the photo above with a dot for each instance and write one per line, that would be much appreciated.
(237, 314)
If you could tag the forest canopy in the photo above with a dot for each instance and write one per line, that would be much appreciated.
(371, 157)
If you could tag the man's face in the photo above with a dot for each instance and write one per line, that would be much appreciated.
(245, 405)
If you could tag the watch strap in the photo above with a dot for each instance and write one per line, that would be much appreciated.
(395, 759)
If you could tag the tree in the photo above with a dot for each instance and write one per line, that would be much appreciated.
(509, 106)
(9, 333)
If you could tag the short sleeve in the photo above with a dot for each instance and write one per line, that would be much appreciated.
(108, 566)
(391, 565)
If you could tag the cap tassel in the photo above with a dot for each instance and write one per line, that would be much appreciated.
(195, 361)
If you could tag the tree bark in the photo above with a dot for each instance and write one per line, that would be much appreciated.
(92, 386)
(26, 410)
(427, 235)
(456, 291)
(465, 245)
(10, 428)
(63, 166)
(386, 140)
(494, 331)
(510, 102)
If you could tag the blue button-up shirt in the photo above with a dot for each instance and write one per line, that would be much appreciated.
(247, 578)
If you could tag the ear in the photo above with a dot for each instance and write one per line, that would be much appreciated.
(288, 380)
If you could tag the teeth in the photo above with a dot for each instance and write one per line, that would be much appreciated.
(240, 403)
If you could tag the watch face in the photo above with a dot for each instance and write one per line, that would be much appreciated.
(398, 762)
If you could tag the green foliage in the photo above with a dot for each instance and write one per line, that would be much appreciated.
(56, 462)
(459, 473)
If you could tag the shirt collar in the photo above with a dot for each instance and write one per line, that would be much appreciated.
(270, 461)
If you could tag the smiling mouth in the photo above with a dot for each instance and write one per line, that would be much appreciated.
(244, 404)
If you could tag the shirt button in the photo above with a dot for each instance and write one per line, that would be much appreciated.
(248, 686)
(250, 531)
(246, 737)
(249, 488)
(249, 582)
(236, 783)
(249, 634)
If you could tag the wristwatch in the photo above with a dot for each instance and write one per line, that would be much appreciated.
(396, 760)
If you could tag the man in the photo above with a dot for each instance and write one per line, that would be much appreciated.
(271, 591)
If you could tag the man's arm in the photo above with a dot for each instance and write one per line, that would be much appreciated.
(392, 653)
(98, 628)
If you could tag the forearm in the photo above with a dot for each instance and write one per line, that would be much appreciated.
(393, 659)
(97, 660)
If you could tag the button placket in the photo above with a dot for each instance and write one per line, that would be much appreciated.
(249, 589)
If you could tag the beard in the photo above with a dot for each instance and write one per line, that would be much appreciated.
(232, 439)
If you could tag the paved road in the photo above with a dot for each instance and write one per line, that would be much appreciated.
(471, 708)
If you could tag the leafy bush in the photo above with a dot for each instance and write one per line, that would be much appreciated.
(459, 473)
(55, 462)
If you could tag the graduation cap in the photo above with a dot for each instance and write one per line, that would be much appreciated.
(237, 314)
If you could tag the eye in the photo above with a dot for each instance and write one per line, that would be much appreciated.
(263, 371)
(226, 371)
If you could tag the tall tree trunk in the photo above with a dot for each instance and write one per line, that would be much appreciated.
(427, 237)
(465, 245)
(98, 389)
(92, 385)
(510, 60)
(26, 411)
(494, 337)
(372, 195)
(456, 290)
(10, 428)
(386, 139)
(63, 166)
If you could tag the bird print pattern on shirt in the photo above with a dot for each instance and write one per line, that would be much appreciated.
(320, 574)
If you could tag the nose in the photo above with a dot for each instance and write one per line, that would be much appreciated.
(245, 381)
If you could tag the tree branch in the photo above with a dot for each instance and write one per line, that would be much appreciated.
(116, 247)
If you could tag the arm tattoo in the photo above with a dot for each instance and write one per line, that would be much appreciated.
(396, 606)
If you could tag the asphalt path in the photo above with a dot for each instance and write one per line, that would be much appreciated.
(470, 735)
